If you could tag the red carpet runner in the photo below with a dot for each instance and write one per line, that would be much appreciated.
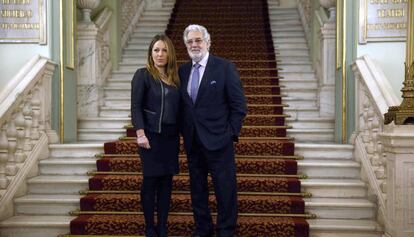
(268, 184)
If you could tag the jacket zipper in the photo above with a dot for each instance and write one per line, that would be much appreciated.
(162, 106)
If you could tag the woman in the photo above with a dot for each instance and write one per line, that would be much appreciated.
(154, 110)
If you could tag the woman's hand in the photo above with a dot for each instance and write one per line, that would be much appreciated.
(142, 140)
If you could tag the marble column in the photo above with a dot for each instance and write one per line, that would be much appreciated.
(89, 38)
(398, 146)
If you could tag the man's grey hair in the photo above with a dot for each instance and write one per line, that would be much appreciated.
(199, 28)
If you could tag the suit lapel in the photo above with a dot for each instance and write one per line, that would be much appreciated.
(185, 79)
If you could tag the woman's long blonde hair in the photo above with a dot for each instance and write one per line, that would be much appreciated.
(171, 67)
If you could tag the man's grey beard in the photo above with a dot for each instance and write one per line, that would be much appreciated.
(197, 57)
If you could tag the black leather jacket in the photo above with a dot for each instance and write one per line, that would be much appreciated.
(154, 105)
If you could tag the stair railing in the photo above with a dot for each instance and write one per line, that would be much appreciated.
(131, 11)
(306, 11)
(25, 127)
(373, 100)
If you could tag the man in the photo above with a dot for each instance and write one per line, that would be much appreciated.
(213, 108)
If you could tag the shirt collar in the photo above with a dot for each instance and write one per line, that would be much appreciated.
(203, 61)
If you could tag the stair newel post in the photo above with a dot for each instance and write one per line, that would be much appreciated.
(89, 68)
(327, 37)
(86, 7)
(45, 95)
(11, 167)
(35, 103)
(19, 119)
(399, 152)
(28, 122)
(3, 157)
(398, 140)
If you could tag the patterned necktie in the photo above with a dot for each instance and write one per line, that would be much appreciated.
(195, 82)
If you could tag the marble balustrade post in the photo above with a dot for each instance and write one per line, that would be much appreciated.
(398, 146)
(327, 38)
(90, 81)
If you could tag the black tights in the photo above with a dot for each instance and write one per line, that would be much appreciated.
(160, 188)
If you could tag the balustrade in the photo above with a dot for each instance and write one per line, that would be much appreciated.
(24, 125)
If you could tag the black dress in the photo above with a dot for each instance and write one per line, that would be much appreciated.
(162, 158)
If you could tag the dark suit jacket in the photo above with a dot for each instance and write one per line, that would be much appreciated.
(220, 107)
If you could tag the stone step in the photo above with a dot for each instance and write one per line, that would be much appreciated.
(312, 135)
(325, 151)
(164, 13)
(108, 122)
(278, 34)
(301, 93)
(142, 37)
(297, 75)
(35, 226)
(149, 34)
(296, 103)
(288, 29)
(282, 10)
(149, 29)
(136, 53)
(296, 68)
(120, 101)
(75, 150)
(100, 122)
(332, 208)
(295, 113)
(344, 228)
(286, 62)
(117, 91)
(292, 60)
(312, 168)
(292, 52)
(278, 41)
(311, 122)
(289, 45)
(301, 134)
(299, 83)
(155, 18)
(145, 40)
(71, 184)
(67, 166)
(121, 80)
(291, 22)
(308, 150)
(141, 61)
(129, 67)
(278, 17)
(53, 225)
(123, 76)
(150, 24)
(100, 134)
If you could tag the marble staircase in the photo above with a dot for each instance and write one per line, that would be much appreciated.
(339, 196)
(301, 85)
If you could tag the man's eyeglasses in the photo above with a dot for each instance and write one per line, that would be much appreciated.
(196, 41)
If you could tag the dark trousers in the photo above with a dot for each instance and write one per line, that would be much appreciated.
(221, 165)
(156, 191)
